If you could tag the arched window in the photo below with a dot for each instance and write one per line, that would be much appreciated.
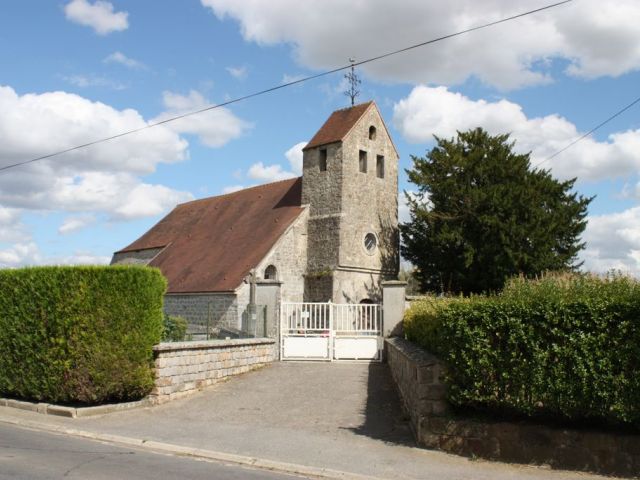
(372, 132)
(271, 273)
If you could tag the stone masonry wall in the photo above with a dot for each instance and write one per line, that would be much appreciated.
(186, 367)
(354, 287)
(288, 256)
(323, 244)
(346, 205)
(322, 191)
(370, 204)
(419, 378)
(195, 309)
(318, 288)
(137, 257)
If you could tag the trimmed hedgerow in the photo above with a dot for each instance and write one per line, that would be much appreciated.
(564, 347)
(79, 334)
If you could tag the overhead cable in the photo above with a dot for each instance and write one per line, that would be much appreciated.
(281, 86)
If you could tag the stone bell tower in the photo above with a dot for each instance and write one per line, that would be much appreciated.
(350, 182)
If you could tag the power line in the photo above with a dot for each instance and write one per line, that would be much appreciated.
(284, 85)
(582, 137)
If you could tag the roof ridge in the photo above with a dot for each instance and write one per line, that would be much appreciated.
(339, 124)
(354, 106)
(254, 187)
(214, 243)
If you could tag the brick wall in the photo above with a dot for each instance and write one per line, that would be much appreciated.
(419, 379)
(186, 367)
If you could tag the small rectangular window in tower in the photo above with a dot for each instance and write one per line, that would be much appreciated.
(380, 166)
(363, 161)
(323, 160)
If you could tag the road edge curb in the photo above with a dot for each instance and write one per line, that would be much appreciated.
(179, 450)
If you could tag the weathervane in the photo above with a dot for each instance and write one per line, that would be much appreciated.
(354, 82)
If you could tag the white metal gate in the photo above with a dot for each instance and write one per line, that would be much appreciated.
(330, 331)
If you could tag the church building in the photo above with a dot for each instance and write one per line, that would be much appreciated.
(330, 235)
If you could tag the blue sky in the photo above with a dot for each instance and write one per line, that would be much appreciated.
(75, 71)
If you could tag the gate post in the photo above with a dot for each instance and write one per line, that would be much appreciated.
(393, 302)
(332, 333)
(269, 294)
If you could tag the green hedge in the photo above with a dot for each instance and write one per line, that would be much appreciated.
(79, 334)
(562, 347)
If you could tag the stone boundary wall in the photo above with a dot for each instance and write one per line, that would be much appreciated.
(418, 376)
(182, 368)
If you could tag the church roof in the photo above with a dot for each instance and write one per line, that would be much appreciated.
(338, 125)
(212, 244)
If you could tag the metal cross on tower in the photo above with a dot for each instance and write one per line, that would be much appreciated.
(354, 82)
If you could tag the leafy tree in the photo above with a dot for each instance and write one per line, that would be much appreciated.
(409, 275)
(481, 214)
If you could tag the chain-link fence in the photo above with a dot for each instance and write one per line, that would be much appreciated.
(212, 322)
(210, 327)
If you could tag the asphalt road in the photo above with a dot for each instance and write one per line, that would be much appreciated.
(31, 455)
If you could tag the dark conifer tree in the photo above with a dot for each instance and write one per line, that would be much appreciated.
(481, 214)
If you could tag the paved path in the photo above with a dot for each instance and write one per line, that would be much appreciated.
(341, 416)
(31, 455)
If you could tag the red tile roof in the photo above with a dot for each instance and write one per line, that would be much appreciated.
(213, 243)
(338, 125)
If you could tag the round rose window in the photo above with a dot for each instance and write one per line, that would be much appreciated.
(370, 242)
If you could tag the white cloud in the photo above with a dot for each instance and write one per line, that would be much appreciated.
(268, 173)
(75, 223)
(437, 111)
(98, 15)
(630, 192)
(232, 188)
(594, 39)
(145, 200)
(286, 78)
(28, 253)
(85, 81)
(214, 128)
(19, 254)
(294, 156)
(32, 125)
(121, 195)
(613, 242)
(122, 59)
(238, 72)
(104, 178)
(11, 227)
(276, 172)
(78, 258)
